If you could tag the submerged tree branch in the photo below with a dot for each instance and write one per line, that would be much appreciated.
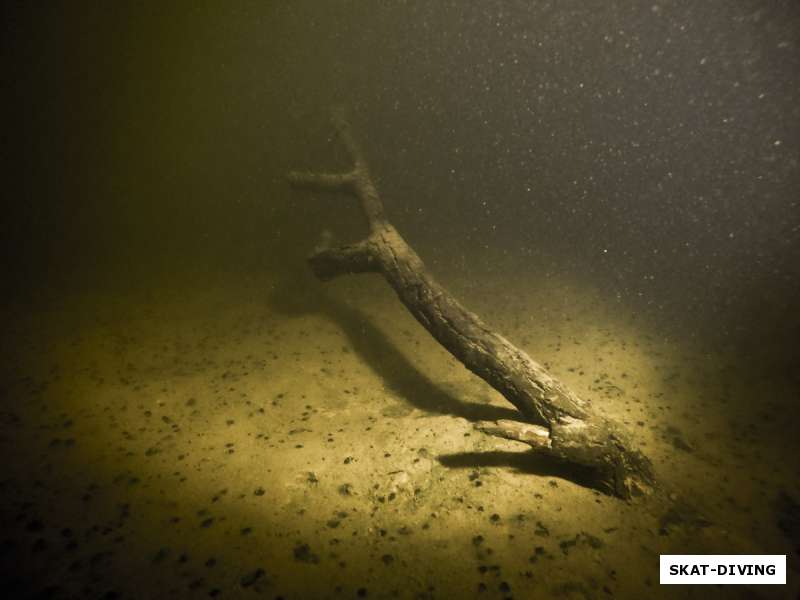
(556, 420)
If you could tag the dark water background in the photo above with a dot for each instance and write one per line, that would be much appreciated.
(649, 148)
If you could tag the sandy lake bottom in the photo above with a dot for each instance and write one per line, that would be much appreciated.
(313, 441)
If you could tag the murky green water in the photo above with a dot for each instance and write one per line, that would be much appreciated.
(187, 412)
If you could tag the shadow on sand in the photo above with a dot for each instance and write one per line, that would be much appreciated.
(299, 298)
(531, 463)
(367, 340)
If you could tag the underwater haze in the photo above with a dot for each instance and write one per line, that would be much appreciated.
(187, 411)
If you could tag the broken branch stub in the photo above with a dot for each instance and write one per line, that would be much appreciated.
(556, 421)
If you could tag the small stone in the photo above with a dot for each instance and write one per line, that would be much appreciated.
(252, 577)
(302, 553)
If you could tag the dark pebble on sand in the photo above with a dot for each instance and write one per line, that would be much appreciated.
(252, 577)
(302, 553)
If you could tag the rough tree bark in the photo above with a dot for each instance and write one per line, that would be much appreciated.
(556, 421)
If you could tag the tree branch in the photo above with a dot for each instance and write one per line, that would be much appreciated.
(328, 263)
(556, 420)
(323, 182)
(358, 181)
